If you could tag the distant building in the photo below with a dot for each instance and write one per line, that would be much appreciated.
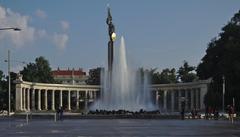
(73, 77)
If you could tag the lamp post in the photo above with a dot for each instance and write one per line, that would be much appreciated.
(223, 94)
(9, 77)
(11, 28)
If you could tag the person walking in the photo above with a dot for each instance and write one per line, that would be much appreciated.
(231, 113)
(61, 113)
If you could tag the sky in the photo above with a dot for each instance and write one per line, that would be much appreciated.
(73, 33)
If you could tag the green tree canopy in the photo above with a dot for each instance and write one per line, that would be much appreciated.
(40, 71)
(168, 76)
(223, 59)
(186, 73)
(165, 77)
(1, 75)
(94, 76)
(3, 92)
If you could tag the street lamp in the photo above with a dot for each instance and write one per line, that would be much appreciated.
(9, 77)
(11, 28)
(223, 94)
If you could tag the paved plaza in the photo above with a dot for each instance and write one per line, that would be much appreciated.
(118, 127)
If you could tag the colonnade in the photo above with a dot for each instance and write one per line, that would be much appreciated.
(31, 98)
(173, 99)
(168, 97)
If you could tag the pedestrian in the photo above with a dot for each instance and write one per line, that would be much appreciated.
(193, 113)
(61, 113)
(216, 114)
(58, 113)
(230, 113)
(206, 113)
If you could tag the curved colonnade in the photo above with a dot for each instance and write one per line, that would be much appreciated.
(32, 96)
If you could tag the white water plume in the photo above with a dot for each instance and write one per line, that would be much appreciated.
(127, 89)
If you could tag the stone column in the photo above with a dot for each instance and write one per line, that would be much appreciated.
(86, 100)
(179, 100)
(91, 95)
(69, 100)
(24, 99)
(186, 99)
(192, 98)
(197, 99)
(18, 102)
(39, 99)
(33, 99)
(95, 95)
(60, 98)
(203, 92)
(77, 100)
(172, 100)
(165, 100)
(46, 99)
(53, 99)
(157, 99)
(28, 99)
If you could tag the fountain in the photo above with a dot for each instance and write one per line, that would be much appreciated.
(129, 88)
(123, 87)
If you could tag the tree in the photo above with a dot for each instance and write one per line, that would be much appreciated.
(168, 76)
(39, 71)
(186, 73)
(222, 59)
(94, 76)
(1, 75)
(165, 77)
(3, 92)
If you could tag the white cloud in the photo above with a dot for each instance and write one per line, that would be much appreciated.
(60, 40)
(65, 25)
(8, 18)
(41, 14)
(28, 34)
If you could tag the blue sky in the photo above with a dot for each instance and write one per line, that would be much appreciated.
(73, 33)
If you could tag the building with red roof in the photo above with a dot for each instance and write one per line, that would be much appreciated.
(68, 76)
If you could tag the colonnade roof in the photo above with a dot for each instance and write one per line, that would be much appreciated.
(196, 84)
(47, 86)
